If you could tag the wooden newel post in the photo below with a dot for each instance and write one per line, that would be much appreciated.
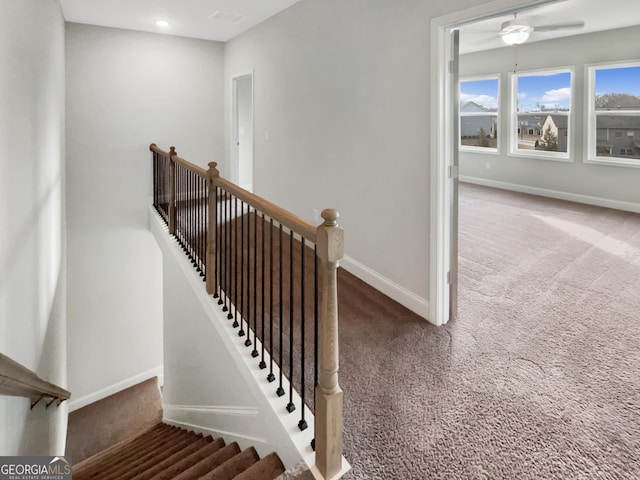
(172, 191)
(212, 225)
(328, 414)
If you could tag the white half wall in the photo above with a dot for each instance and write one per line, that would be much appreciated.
(126, 90)
(32, 218)
(610, 186)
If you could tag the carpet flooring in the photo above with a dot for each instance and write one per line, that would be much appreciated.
(537, 378)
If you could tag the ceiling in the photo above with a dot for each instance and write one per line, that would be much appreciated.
(597, 15)
(219, 20)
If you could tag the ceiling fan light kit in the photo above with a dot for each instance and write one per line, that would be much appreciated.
(515, 32)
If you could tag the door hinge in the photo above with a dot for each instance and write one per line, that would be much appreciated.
(449, 277)
(453, 171)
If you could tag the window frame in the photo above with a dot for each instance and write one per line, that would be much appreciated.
(471, 148)
(590, 124)
(514, 151)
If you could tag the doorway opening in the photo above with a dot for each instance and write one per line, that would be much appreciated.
(242, 147)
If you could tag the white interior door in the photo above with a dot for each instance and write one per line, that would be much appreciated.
(453, 175)
(243, 138)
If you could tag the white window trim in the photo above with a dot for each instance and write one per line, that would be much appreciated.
(590, 117)
(513, 117)
(469, 148)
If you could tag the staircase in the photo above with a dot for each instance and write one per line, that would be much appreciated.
(166, 452)
(123, 437)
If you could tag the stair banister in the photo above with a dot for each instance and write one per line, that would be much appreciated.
(329, 244)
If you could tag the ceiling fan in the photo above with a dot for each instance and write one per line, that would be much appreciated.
(517, 31)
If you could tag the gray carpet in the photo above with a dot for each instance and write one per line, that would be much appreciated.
(538, 378)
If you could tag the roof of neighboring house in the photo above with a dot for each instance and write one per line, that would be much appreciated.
(471, 106)
(619, 122)
(560, 121)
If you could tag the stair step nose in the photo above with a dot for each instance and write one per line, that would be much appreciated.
(165, 452)
(210, 463)
(236, 465)
(200, 454)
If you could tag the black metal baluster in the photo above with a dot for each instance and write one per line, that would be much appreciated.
(290, 406)
(247, 317)
(315, 319)
(223, 266)
(280, 390)
(302, 424)
(231, 263)
(242, 309)
(204, 202)
(216, 232)
(255, 353)
(236, 276)
(271, 377)
(262, 363)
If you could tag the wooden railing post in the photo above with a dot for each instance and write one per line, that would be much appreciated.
(172, 191)
(328, 411)
(212, 225)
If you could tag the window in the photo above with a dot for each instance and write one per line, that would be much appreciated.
(479, 106)
(541, 114)
(613, 122)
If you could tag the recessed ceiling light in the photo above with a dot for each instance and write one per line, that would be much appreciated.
(162, 23)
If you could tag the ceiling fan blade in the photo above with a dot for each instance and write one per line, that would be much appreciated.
(559, 26)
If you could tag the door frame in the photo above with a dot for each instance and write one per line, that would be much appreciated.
(235, 133)
(442, 141)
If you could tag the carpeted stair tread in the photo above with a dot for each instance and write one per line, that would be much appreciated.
(165, 452)
(267, 468)
(176, 457)
(129, 450)
(145, 455)
(233, 467)
(177, 468)
(157, 455)
(210, 463)
(117, 449)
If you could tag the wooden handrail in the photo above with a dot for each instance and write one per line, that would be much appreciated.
(154, 148)
(191, 166)
(271, 210)
(18, 381)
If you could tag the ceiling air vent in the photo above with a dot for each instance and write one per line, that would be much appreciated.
(227, 17)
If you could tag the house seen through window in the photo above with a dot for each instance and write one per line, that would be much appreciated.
(542, 113)
(614, 113)
(479, 114)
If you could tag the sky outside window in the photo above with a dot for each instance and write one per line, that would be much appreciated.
(542, 92)
(482, 92)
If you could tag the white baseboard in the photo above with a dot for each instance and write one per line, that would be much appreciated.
(407, 298)
(543, 192)
(117, 387)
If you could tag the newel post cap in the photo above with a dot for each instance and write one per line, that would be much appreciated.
(330, 217)
(213, 170)
(172, 151)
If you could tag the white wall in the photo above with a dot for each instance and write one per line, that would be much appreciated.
(618, 184)
(32, 219)
(126, 90)
(342, 88)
